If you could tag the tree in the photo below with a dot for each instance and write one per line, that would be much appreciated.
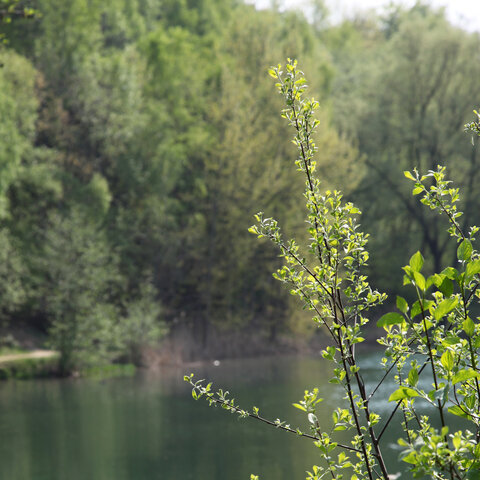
(154, 120)
(18, 107)
(408, 110)
(12, 275)
(79, 284)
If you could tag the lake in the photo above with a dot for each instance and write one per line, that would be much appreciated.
(148, 426)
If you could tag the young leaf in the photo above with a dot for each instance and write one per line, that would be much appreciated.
(459, 412)
(272, 73)
(464, 375)
(411, 457)
(450, 272)
(473, 268)
(402, 393)
(468, 326)
(445, 307)
(446, 287)
(451, 339)
(402, 304)
(464, 251)
(413, 376)
(447, 360)
(416, 262)
(419, 280)
(391, 318)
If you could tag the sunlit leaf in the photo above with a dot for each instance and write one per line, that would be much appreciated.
(416, 262)
(445, 307)
(447, 360)
(391, 318)
(402, 304)
(402, 393)
(464, 375)
(419, 280)
(464, 251)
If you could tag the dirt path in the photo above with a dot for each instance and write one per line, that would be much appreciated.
(24, 356)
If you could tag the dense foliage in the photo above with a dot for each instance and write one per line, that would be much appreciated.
(138, 138)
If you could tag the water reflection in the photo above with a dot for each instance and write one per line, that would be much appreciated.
(148, 426)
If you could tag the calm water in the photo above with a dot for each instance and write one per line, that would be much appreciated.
(149, 427)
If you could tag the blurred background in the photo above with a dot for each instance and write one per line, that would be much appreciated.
(139, 138)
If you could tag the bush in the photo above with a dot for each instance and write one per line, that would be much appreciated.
(435, 335)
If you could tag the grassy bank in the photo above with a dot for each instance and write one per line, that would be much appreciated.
(25, 365)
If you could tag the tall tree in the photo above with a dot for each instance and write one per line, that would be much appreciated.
(407, 110)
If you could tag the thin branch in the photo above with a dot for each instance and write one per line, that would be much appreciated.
(269, 422)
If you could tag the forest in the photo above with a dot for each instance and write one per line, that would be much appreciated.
(139, 138)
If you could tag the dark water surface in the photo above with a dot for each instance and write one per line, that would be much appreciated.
(149, 427)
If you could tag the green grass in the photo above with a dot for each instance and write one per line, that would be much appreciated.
(27, 368)
(11, 350)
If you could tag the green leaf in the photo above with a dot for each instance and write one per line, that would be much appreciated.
(445, 307)
(416, 308)
(413, 376)
(468, 326)
(472, 268)
(438, 278)
(446, 287)
(402, 393)
(428, 324)
(300, 407)
(272, 73)
(416, 262)
(464, 375)
(430, 281)
(450, 272)
(456, 410)
(391, 318)
(410, 458)
(451, 340)
(464, 251)
(409, 175)
(447, 360)
(402, 304)
(419, 280)
(417, 190)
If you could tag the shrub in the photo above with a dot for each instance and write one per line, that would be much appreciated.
(436, 335)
